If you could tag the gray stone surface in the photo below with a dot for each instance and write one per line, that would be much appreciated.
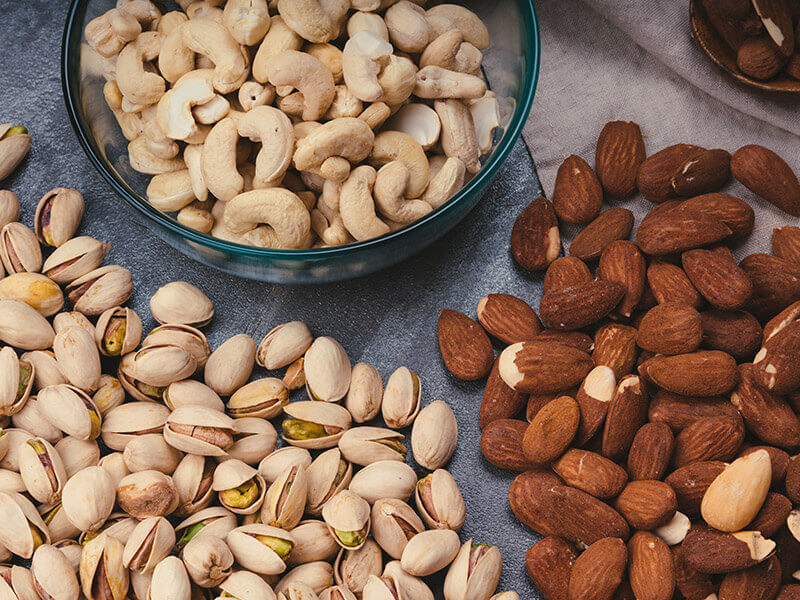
(387, 319)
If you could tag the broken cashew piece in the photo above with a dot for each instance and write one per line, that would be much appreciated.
(306, 74)
(419, 121)
(279, 208)
(212, 40)
(458, 133)
(220, 174)
(391, 184)
(137, 84)
(435, 83)
(346, 138)
(315, 20)
(345, 104)
(362, 60)
(445, 183)
(247, 20)
(357, 206)
(273, 129)
(395, 145)
(376, 114)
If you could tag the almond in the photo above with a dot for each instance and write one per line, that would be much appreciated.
(786, 243)
(760, 58)
(676, 231)
(610, 225)
(657, 172)
(718, 278)
(551, 430)
(591, 472)
(690, 583)
(543, 367)
(573, 339)
(670, 328)
(499, 401)
(651, 452)
(615, 347)
(737, 214)
(501, 444)
(765, 173)
(779, 459)
(537, 402)
(710, 551)
(704, 173)
(535, 240)
(777, 20)
(464, 345)
(627, 412)
(710, 438)
(772, 516)
(776, 284)
(678, 412)
(761, 582)
(549, 564)
(508, 318)
(565, 271)
(598, 571)
(691, 482)
(784, 318)
(734, 498)
(669, 283)
(577, 194)
(580, 305)
(619, 154)
(594, 397)
(701, 373)
(789, 591)
(650, 569)
(735, 21)
(647, 504)
(622, 262)
(775, 366)
(736, 332)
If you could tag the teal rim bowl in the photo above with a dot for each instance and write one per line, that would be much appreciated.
(522, 62)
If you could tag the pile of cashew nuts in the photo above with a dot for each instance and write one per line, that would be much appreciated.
(298, 123)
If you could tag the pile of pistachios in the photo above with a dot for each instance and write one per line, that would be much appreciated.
(145, 466)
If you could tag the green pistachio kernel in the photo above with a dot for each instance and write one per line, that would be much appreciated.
(24, 378)
(241, 497)
(349, 538)
(192, 531)
(280, 547)
(18, 130)
(115, 335)
(295, 429)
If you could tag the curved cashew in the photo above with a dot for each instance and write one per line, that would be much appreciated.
(144, 161)
(219, 160)
(212, 40)
(136, 83)
(330, 56)
(253, 94)
(395, 145)
(205, 9)
(303, 128)
(329, 226)
(451, 52)
(435, 83)
(280, 37)
(315, 20)
(174, 113)
(212, 111)
(346, 138)
(247, 20)
(144, 11)
(362, 60)
(176, 59)
(293, 105)
(329, 198)
(196, 216)
(306, 74)
(389, 192)
(471, 26)
(279, 208)
(367, 21)
(408, 27)
(345, 104)
(108, 33)
(357, 206)
(376, 114)
(439, 24)
(169, 192)
(131, 124)
(458, 133)
(170, 21)
(397, 80)
(273, 130)
(445, 183)
(419, 121)
(486, 116)
(193, 157)
(158, 143)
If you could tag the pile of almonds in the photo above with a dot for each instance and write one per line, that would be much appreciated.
(658, 385)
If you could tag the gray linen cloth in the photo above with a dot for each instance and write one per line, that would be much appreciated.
(605, 60)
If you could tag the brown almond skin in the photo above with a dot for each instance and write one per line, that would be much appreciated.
(551, 430)
(565, 271)
(781, 320)
(627, 412)
(670, 328)
(701, 373)
(772, 516)
(711, 438)
(615, 347)
(622, 262)
(718, 278)
(549, 367)
(499, 401)
(650, 569)
(580, 305)
(786, 243)
(676, 231)
(714, 552)
(690, 483)
(535, 240)
(651, 452)
(501, 444)
(598, 571)
(776, 284)
(549, 564)
(464, 345)
(669, 283)
(655, 175)
(591, 472)
(577, 193)
(647, 504)
(690, 583)
(775, 366)
(678, 412)
(537, 402)
(788, 553)
(761, 582)
(508, 318)
(765, 173)
(610, 225)
(789, 592)
(706, 173)
(573, 339)
(736, 332)
(779, 460)
(619, 153)
(737, 214)
(760, 58)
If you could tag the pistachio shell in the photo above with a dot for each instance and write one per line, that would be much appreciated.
(434, 436)
(19, 249)
(21, 582)
(215, 520)
(151, 451)
(9, 206)
(187, 337)
(229, 366)
(181, 302)
(78, 358)
(11, 481)
(263, 398)
(12, 150)
(118, 331)
(20, 521)
(160, 366)
(273, 465)
(298, 590)
(101, 289)
(123, 423)
(384, 479)
(429, 552)
(208, 560)
(353, 568)
(42, 470)
(53, 575)
(348, 517)
(366, 445)
(283, 345)
(295, 376)
(394, 523)
(366, 391)
(285, 501)
(170, 581)
(244, 585)
(88, 498)
(147, 494)
(193, 477)
(254, 438)
(328, 423)
(233, 474)
(34, 289)
(327, 370)
(327, 476)
(45, 367)
(77, 454)
(410, 587)
(140, 584)
(72, 318)
(11, 440)
(72, 550)
(58, 216)
(316, 575)
(71, 410)
(474, 573)
(199, 430)
(75, 258)
(401, 398)
(313, 541)
(102, 570)
(23, 327)
(256, 555)
(114, 465)
(58, 524)
(191, 392)
(109, 394)
(337, 592)
(16, 382)
(439, 501)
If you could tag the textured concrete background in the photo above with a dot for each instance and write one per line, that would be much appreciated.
(388, 319)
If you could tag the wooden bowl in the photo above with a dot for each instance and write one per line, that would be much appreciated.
(725, 58)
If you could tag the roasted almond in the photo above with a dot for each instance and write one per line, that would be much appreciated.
(615, 347)
(701, 373)
(565, 271)
(710, 438)
(692, 584)
(573, 339)
(647, 504)
(537, 402)
(464, 345)
(669, 283)
(577, 193)
(691, 482)
(776, 284)
(704, 173)
(761, 582)
(651, 452)
(610, 225)
(594, 397)
(657, 172)
(718, 278)
(551, 430)
(549, 564)
(508, 318)
(710, 551)
(736, 332)
(676, 231)
(786, 243)
(760, 58)
(543, 367)
(765, 173)
(775, 366)
(777, 19)
(535, 240)
(650, 569)
(627, 412)
(580, 305)
(598, 571)
(501, 444)
(622, 262)
(772, 516)
(670, 328)
(499, 401)
(737, 214)
(619, 154)
(678, 412)
(591, 472)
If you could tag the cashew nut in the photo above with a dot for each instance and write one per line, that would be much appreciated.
(303, 128)
(357, 206)
(247, 20)
(419, 121)
(174, 114)
(306, 74)
(362, 62)
(212, 111)
(408, 27)
(445, 182)
(329, 226)
(376, 114)
(219, 160)
(471, 26)
(169, 192)
(367, 21)
(137, 84)
(144, 161)
(212, 40)
(253, 94)
(394, 145)
(345, 104)
(330, 56)
(280, 37)
(315, 20)
(397, 80)
(435, 83)
(279, 208)
(193, 157)
(458, 133)
(451, 52)
(205, 9)
(108, 33)
(486, 116)
(158, 143)
(130, 123)
(273, 130)
(169, 22)
(293, 105)
(144, 11)
(391, 184)
(196, 216)
(440, 24)
(347, 138)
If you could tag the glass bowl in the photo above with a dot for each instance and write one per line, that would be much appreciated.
(512, 69)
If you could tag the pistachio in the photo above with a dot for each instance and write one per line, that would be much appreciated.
(384, 479)
(337, 592)
(159, 366)
(429, 552)
(77, 454)
(327, 476)
(505, 596)
(37, 291)
(72, 550)
(45, 368)
(114, 465)
(315, 575)
(72, 318)
(199, 430)
(138, 389)
(102, 573)
(14, 144)
(88, 498)
(16, 381)
(71, 410)
(474, 573)
(58, 524)
(245, 585)
(109, 394)
(313, 541)
(19, 249)
(189, 338)
(78, 358)
(151, 451)
(263, 398)
(314, 425)
(366, 445)
(23, 327)
(75, 258)
(58, 216)
(401, 399)
(366, 391)
(100, 289)
(353, 568)
(253, 440)
(193, 478)
(327, 370)
(283, 345)
(434, 436)
(208, 560)
(273, 465)
(295, 376)
(170, 581)
(9, 207)
(216, 521)
(10, 442)
(190, 392)
(123, 423)
(23, 529)
(240, 487)
(348, 517)
(118, 331)
(42, 470)
(140, 584)
(261, 548)
(181, 302)
(20, 581)
(147, 494)
(229, 366)
(53, 576)
(394, 523)
(408, 586)
(439, 501)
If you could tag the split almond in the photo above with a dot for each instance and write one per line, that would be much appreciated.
(535, 240)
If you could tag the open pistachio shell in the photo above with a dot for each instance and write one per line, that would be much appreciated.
(88, 498)
(20, 581)
(253, 440)
(353, 568)
(123, 423)
(72, 318)
(261, 548)
(263, 398)
(199, 430)
(283, 345)
(114, 465)
(140, 584)
(229, 366)
(11, 481)
(58, 216)
(75, 258)
(285, 501)
(410, 587)
(19, 249)
(337, 592)
(245, 585)
(34, 289)
(102, 573)
(384, 479)
(327, 369)
(474, 573)
(277, 462)
(191, 392)
(366, 445)
(240, 487)
(348, 517)
(58, 524)
(118, 525)
(170, 581)
(118, 331)
(183, 336)
(30, 418)
(53, 575)
(429, 552)
(181, 302)
(193, 477)
(150, 542)
(365, 394)
(101, 289)
(317, 575)
(313, 541)
(208, 560)
(45, 368)
(71, 410)
(78, 357)
(24, 328)
(42, 470)
(109, 394)
(327, 476)
(23, 529)
(139, 390)
(401, 398)
(16, 381)
(11, 439)
(315, 425)
(298, 590)
(147, 494)
(151, 451)
(439, 501)
(72, 550)
(394, 523)
(215, 520)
